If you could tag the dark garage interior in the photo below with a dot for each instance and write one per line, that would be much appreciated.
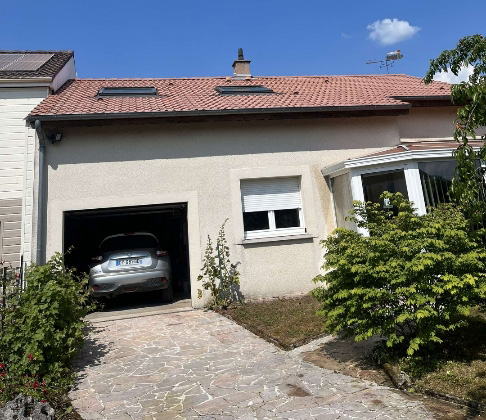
(85, 229)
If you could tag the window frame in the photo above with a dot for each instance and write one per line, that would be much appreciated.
(307, 203)
(272, 230)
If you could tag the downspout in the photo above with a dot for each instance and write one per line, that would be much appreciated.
(40, 199)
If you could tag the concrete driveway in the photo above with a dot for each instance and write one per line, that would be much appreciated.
(195, 364)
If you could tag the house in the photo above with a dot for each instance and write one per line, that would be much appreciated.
(26, 78)
(281, 158)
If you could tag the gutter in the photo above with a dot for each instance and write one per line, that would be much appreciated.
(423, 98)
(27, 82)
(197, 113)
(27, 79)
(40, 259)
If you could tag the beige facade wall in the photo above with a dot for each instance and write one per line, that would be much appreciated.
(116, 166)
(422, 124)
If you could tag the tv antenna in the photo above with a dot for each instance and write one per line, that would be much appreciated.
(388, 62)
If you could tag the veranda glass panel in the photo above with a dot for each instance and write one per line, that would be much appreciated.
(377, 183)
(436, 179)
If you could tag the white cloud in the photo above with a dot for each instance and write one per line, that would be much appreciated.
(345, 35)
(450, 77)
(391, 31)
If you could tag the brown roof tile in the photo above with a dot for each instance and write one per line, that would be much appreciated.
(79, 97)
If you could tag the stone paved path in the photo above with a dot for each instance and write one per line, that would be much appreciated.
(197, 364)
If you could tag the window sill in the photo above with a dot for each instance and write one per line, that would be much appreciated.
(299, 236)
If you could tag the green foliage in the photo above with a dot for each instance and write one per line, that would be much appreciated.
(219, 275)
(43, 329)
(468, 182)
(411, 280)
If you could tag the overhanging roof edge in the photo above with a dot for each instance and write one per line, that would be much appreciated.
(249, 111)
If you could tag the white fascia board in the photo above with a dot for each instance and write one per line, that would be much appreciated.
(27, 82)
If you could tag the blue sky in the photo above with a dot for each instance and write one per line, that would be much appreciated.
(188, 38)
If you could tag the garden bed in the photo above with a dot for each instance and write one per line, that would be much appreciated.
(460, 363)
(287, 323)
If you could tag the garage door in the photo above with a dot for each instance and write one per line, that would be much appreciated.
(85, 229)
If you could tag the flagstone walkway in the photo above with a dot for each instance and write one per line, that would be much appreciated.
(195, 364)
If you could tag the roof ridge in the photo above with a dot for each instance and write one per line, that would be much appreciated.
(254, 78)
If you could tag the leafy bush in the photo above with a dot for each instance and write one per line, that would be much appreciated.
(411, 280)
(43, 329)
(219, 276)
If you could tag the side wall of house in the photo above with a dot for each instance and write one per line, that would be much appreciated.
(116, 166)
(427, 123)
(16, 170)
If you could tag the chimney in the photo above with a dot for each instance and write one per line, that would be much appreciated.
(241, 67)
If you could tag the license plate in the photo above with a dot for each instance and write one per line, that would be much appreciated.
(129, 261)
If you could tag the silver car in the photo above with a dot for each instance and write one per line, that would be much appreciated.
(130, 262)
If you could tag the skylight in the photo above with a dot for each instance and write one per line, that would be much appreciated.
(127, 91)
(243, 90)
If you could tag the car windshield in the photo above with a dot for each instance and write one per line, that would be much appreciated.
(128, 242)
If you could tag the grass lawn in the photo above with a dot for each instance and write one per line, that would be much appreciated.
(462, 358)
(288, 323)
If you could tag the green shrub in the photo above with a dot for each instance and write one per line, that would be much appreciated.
(43, 329)
(219, 276)
(411, 280)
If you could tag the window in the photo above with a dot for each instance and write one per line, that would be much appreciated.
(128, 241)
(272, 207)
(377, 183)
(127, 91)
(436, 179)
(243, 90)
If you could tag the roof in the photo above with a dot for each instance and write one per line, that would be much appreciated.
(198, 96)
(49, 69)
(423, 146)
(434, 149)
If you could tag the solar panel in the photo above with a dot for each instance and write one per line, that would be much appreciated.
(23, 62)
(243, 90)
(7, 59)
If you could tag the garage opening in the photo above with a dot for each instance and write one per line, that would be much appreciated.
(84, 230)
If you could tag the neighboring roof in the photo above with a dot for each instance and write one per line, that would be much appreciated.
(49, 69)
(423, 146)
(78, 98)
(403, 152)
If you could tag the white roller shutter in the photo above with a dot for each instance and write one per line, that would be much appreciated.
(270, 194)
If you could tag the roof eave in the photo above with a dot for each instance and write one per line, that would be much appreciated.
(192, 113)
